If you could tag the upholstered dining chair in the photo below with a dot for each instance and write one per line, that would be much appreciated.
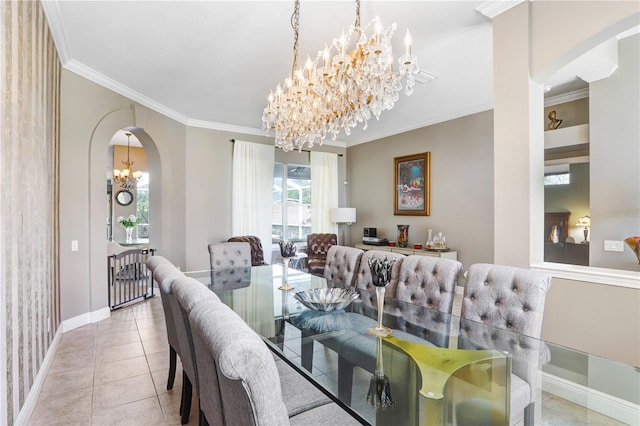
(257, 252)
(513, 299)
(317, 247)
(341, 267)
(229, 255)
(428, 281)
(186, 293)
(364, 279)
(164, 273)
(249, 382)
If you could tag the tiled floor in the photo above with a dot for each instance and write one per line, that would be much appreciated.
(115, 372)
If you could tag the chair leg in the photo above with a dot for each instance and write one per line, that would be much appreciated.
(529, 414)
(185, 404)
(172, 367)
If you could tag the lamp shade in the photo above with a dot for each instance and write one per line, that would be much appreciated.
(343, 215)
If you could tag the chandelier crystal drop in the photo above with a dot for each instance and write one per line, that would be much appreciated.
(341, 87)
(127, 178)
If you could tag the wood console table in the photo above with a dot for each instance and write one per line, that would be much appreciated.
(408, 251)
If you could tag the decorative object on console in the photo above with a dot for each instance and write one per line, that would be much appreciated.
(339, 88)
(287, 251)
(379, 394)
(380, 277)
(403, 235)
(429, 244)
(130, 222)
(343, 216)
(412, 191)
(554, 122)
(634, 245)
(127, 178)
(584, 222)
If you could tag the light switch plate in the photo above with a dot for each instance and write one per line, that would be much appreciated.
(612, 245)
(74, 245)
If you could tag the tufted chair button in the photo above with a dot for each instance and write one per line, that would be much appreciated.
(483, 317)
(472, 298)
(526, 309)
(486, 283)
(497, 303)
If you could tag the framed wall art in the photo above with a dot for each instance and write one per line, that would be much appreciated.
(412, 185)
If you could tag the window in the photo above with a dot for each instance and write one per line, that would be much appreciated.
(291, 202)
(557, 179)
(142, 206)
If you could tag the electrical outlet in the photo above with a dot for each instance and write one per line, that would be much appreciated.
(612, 245)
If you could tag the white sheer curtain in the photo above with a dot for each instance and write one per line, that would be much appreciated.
(252, 189)
(324, 191)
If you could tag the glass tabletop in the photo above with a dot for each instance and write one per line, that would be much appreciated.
(432, 362)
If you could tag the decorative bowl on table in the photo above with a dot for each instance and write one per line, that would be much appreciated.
(326, 299)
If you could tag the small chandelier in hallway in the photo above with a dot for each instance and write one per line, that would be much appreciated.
(127, 178)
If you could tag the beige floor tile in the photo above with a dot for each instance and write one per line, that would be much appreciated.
(117, 326)
(160, 381)
(116, 353)
(150, 322)
(137, 413)
(112, 371)
(160, 360)
(68, 380)
(170, 403)
(155, 345)
(81, 358)
(153, 333)
(117, 338)
(122, 392)
(125, 314)
(70, 408)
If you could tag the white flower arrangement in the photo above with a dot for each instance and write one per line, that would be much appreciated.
(130, 221)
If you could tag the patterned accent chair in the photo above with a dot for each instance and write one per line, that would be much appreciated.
(229, 255)
(513, 299)
(257, 252)
(341, 268)
(317, 248)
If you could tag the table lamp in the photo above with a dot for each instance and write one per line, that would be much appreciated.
(343, 216)
(584, 222)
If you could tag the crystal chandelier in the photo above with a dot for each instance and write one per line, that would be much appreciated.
(126, 177)
(341, 87)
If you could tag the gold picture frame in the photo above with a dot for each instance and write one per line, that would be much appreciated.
(412, 185)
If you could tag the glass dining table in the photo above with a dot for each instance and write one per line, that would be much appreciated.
(418, 375)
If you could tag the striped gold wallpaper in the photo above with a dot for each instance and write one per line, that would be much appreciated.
(29, 277)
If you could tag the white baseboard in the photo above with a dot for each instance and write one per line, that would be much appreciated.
(611, 406)
(84, 319)
(34, 393)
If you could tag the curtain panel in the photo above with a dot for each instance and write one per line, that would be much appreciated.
(29, 175)
(252, 192)
(324, 191)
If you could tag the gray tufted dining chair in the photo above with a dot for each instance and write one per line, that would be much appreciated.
(512, 299)
(341, 266)
(186, 293)
(164, 273)
(428, 281)
(229, 255)
(251, 388)
(364, 279)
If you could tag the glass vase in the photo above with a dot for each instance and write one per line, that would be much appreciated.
(403, 235)
(285, 275)
(379, 330)
(129, 238)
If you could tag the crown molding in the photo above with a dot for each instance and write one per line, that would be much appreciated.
(493, 8)
(439, 119)
(567, 97)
